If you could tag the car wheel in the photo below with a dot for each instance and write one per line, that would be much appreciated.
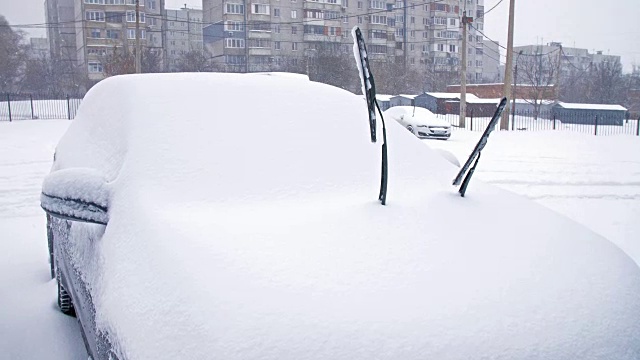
(410, 128)
(64, 301)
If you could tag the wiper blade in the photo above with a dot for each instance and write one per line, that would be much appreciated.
(475, 154)
(369, 90)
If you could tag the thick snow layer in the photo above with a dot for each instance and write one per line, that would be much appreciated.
(242, 232)
(594, 180)
(31, 326)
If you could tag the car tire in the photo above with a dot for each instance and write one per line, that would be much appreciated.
(410, 128)
(65, 303)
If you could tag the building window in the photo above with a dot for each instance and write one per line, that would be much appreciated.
(114, 2)
(412, 61)
(276, 29)
(412, 33)
(234, 43)
(95, 67)
(359, 19)
(276, 12)
(232, 8)
(260, 9)
(452, 21)
(359, 4)
(233, 26)
(94, 16)
(294, 30)
(294, 46)
(412, 47)
(276, 45)
(131, 17)
(377, 49)
(100, 2)
(235, 59)
(479, 63)
(131, 33)
(452, 48)
(440, 47)
(259, 43)
(95, 33)
(379, 19)
(151, 4)
(377, 4)
(112, 34)
(294, 14)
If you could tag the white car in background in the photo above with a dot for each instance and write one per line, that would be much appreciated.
(420, 121)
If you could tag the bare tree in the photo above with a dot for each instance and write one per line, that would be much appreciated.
(538, 73)
(606, 83)
(333, 67)
(117, 61)
(194, 61)
(12, 55)
(393, 78)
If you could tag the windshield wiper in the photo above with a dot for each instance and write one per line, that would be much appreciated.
(475, 155)
(369, 90)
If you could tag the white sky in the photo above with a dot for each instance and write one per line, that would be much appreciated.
(580, 23)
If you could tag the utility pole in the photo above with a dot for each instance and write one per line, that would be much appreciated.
(508, 69)
(163, 28)
(138, 48)
(558, 73)
(463, 73)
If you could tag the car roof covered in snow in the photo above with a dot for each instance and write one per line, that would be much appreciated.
(244, 224)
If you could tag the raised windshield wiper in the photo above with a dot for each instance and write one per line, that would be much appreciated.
(475, 155)
(369, 90)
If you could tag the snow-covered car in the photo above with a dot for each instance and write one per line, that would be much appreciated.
(419, 121)
(176, 236)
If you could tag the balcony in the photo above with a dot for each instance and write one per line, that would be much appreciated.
(260, 51)
(315, 5)
(259, 34)
(322, 38)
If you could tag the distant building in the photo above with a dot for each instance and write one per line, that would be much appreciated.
(62, 37)
(278, 35)
(402, 100)
(492, 71)
(90, 31)
(183, 34)
(571, 59)
(38, 48)
(492, 91)
(590, 114)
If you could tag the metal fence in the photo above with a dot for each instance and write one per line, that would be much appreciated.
(38, 106)
(590, 123)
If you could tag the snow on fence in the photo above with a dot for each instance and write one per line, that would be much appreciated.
(526, 121)
(31, 106)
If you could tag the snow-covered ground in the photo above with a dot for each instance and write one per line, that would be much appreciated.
(594, 180)
(31, 327)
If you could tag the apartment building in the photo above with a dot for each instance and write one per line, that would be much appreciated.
(571, 59)
(62, 37)
(183, 35)
(493, 70)
(279, 33)
(105, 27)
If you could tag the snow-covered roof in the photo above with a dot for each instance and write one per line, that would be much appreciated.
(446, 95)
(411, 97)
(383, 97)
(576, 106)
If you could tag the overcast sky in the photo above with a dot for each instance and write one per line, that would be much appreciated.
(589, 24)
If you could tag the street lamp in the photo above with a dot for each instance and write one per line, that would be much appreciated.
(515, 94)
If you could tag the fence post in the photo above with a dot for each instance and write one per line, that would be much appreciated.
(31, 101)
(554, 121)
(68, 108)
(638, 127)
(9, 105)
(596, 129)
(471, 119)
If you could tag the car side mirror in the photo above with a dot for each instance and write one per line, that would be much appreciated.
(79, 194)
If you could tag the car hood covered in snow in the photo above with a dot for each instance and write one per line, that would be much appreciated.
(415, 115)
(244, 225)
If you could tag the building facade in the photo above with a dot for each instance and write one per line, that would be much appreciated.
(183, 35)
(62, 37)
(105, 30)
(569, 59)
(282, 33)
